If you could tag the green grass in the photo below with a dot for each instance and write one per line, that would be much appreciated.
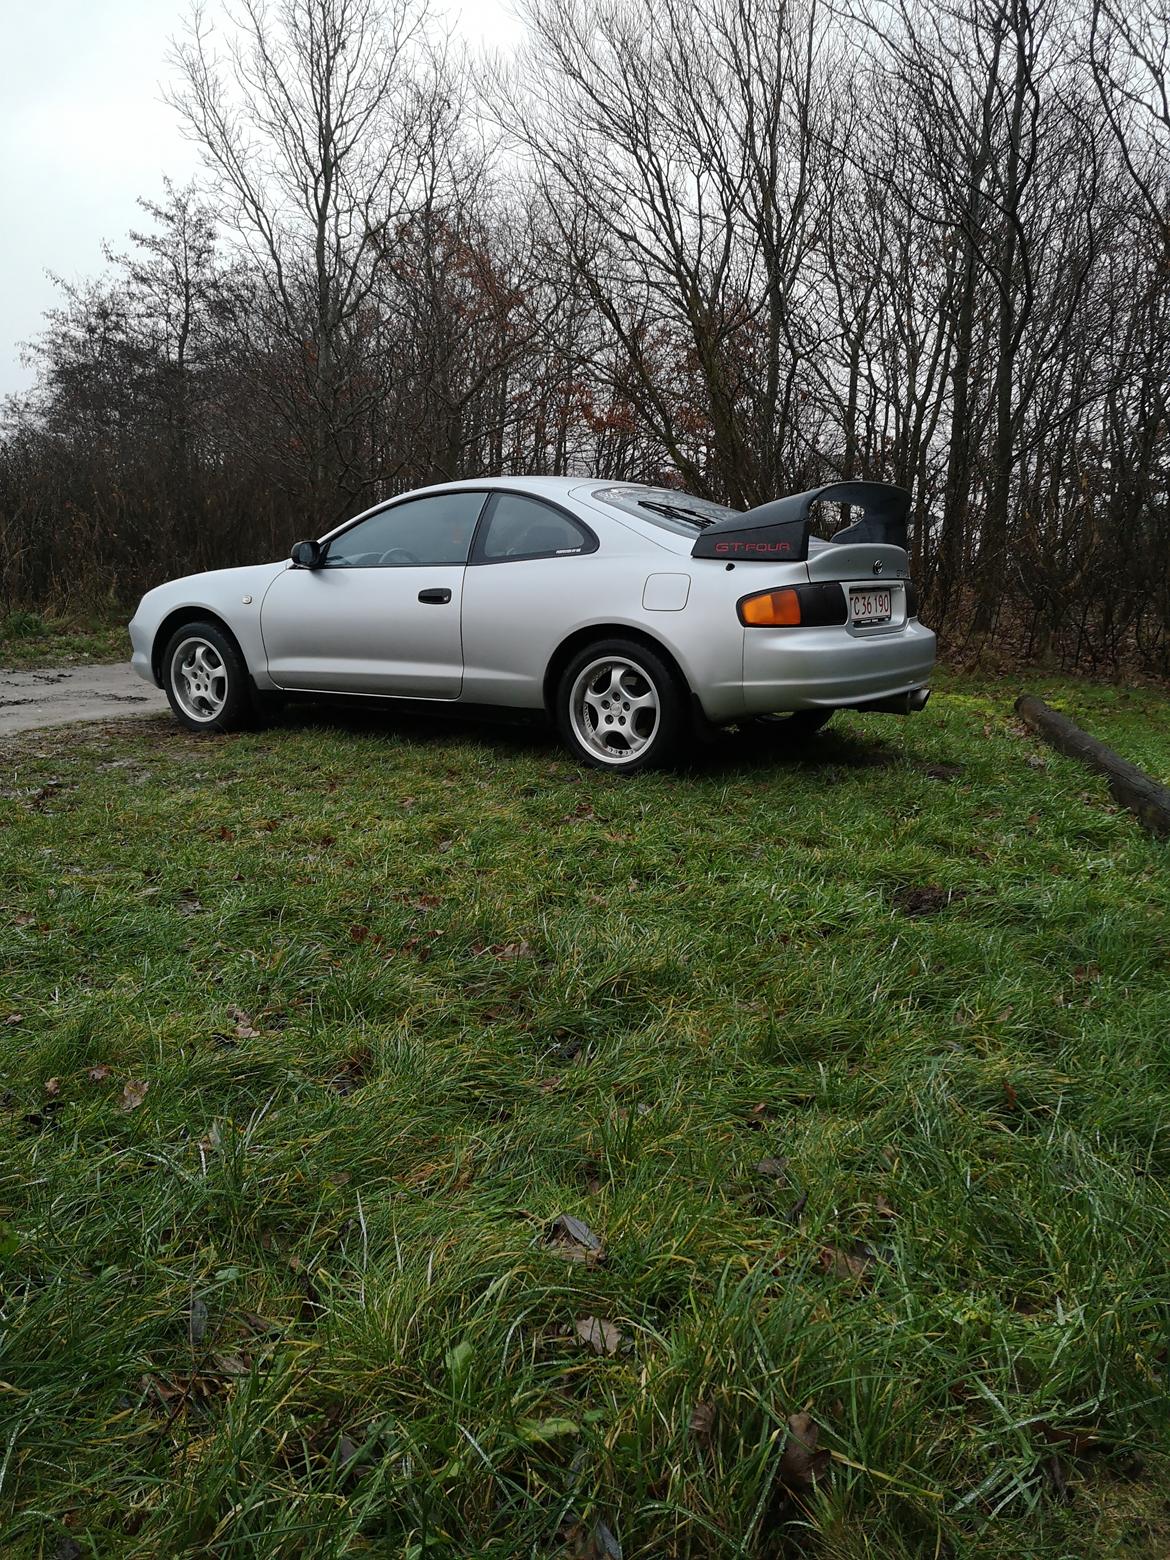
(302, 1299)
(33, 639)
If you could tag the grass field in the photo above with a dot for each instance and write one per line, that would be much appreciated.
(29, 639)
(855, 1071)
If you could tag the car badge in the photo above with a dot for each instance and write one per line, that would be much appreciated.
(877, 568)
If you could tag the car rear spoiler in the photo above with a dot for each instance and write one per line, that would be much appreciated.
(778, 532)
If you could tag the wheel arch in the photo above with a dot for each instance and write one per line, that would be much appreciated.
(594, 632)
(175, 620)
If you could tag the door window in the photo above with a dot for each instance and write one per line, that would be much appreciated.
(520, 527)
(419, 531)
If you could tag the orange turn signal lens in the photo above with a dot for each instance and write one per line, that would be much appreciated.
(771, 609)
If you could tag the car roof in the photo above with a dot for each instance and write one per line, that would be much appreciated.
(542, 487)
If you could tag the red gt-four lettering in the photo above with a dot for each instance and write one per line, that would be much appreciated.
(753, 547)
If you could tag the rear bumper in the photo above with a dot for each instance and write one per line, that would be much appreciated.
(832, 668)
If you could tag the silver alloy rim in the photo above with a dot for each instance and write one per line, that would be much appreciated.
(199, 679)
(614, 710)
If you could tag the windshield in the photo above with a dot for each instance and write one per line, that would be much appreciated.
(681, 513)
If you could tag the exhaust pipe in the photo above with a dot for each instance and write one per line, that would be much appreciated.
(897, 703)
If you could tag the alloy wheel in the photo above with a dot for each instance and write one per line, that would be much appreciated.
(614, 710)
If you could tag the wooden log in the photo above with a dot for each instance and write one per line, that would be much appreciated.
(1130, 786)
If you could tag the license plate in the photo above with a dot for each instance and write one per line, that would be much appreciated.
(870, 606)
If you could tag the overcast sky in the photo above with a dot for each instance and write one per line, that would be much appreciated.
(83, 133)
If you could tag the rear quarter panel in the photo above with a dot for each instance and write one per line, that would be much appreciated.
(516, 615)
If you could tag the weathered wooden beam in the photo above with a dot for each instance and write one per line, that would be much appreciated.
(1130, 786)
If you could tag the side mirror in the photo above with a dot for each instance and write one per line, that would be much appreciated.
(308, 555)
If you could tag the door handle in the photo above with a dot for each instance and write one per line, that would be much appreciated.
(437, 597)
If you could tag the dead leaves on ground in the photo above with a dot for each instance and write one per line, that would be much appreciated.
(572, 1239)
(197, 1319)
(599, 1335)
(803, 1462)
(245, 1029)
(504, 951)
(598, 1542)
(134, 1093)
(844, 1264)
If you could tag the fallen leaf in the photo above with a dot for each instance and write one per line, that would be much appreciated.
(358, 934)
(702, 1420)
(572, 1239)
(597, 1543)
(1079, 1441)
(1053, 1469)
(882, 1205)
(943, 771)
(259, 1324)
(15, 1018)
(245, 1029)
(231, 1364)
(512, 950)
(846, 1264)
(1011, 1098)
(801, 1463)
(197, 1316)
(601, 1336)
(133, 1094)
(776, 1169)
(52, 1087)
(188, 902)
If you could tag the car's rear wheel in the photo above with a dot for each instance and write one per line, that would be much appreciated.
(206, 680)
(619, 706)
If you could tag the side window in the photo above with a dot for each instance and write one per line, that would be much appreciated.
(519, 527)
(431, 530)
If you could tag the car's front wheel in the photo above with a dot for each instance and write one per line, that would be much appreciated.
(206, 680)
(619, 706)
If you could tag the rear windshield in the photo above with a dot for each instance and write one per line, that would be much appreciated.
(672, 510)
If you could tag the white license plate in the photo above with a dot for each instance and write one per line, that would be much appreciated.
(870, 606)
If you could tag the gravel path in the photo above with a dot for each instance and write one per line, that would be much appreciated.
(57, 696)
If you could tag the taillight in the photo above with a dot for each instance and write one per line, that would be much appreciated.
(771, 609)
(794, 606)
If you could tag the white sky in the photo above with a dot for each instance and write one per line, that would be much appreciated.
(83, 133)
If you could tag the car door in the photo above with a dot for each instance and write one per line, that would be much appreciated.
(533, 566)
(381, 614)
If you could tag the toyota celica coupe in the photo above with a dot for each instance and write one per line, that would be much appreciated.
(633, 616)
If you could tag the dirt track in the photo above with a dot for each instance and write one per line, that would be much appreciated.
(57, 696)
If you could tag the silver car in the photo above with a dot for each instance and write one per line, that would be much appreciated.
(632, 615)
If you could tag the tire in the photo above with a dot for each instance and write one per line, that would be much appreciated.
(206, 680)
(797, 726)
(620, 707)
